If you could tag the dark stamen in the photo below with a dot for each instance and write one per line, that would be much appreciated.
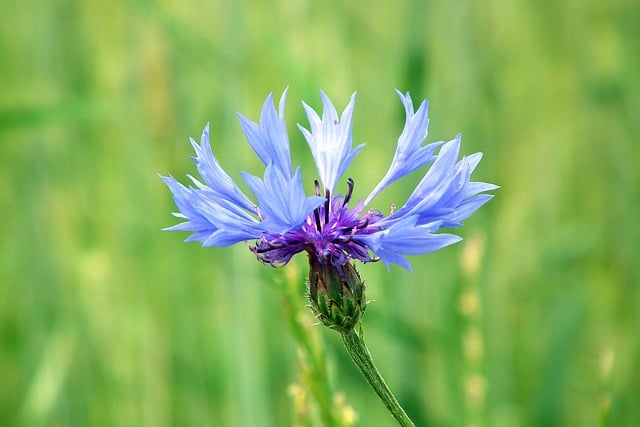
(316, 211)
(316, 215)
(349, 192)
(363, 223)
(327, 203)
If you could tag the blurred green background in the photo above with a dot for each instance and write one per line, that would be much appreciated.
(533, 320)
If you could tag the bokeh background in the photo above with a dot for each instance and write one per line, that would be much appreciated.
(534, 319)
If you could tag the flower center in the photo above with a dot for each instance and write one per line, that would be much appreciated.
(330, 233)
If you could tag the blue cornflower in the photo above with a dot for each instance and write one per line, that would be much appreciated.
(330, 226)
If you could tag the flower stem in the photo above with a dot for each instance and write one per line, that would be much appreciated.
(354, 343)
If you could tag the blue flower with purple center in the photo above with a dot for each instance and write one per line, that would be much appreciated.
(331, 226)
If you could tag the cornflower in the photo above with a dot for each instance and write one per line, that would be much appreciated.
(330, 226)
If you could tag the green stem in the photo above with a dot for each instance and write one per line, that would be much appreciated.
(354, 343)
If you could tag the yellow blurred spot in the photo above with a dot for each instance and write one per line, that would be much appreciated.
(473, 345)
(299, 397)
(475, 388)
(347, 415)
(607, 361)
(469, 304)
(471, 255)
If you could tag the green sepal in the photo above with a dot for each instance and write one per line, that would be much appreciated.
(336, 294)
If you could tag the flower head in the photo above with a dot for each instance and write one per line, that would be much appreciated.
(332, 227)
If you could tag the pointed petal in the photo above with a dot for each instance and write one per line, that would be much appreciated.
(478, 187)
(410, 154)
(183, 197)
(283, 204)
(269, 138)
(406, 238)
(445, 195)
(330, 140)
(233, 224)
(466, 208)
(209, 215)
(432, 185)
(214, 176)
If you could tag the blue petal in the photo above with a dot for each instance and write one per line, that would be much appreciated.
(466, 208)
(439, 176)
(434, 184)
(445, 194)
(405, 237)
(478, 187)
(283, 203)
(410, 154)
(214, 176)
(184, 198)
(269, 139)
(330, 140)
(214, 221)
(233, 224)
